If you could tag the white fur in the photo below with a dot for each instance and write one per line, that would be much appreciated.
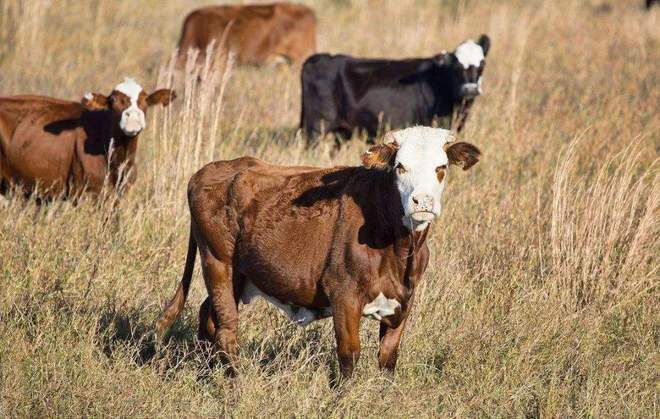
(132, 119)
(420, 152)
(302, 317)
(88, 96)
(469, 53)
(380, 307)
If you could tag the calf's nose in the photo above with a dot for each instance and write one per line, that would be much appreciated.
(423, 202)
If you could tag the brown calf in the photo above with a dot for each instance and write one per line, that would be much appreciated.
(343, 242)
(66, 147)
(257, 34)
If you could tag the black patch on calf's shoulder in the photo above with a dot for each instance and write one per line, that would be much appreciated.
(58, 127)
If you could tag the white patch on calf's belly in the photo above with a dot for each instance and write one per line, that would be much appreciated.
(380, 307)
(301, 316)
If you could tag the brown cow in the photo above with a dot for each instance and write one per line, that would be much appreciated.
(257, 34)
(344, 242)
(68, 147)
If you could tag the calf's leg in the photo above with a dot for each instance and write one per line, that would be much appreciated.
(388, 350)
(346, 317)
(207, 321)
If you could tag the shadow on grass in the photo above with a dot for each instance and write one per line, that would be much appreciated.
(290, 346)
(127, 331)
(123, 332)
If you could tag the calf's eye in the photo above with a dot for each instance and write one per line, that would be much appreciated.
(400, 169)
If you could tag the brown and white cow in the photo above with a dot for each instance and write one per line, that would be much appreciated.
(257, 34)
(343, 242)
(65, 148)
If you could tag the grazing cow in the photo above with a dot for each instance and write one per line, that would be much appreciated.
(65, 148)
(343, 242)
(341, 94)
(257, 34)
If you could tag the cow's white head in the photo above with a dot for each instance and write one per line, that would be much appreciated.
(129, 103)
(466, 65)
(419, 157)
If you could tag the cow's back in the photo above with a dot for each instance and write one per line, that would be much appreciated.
(256, 33)
(249, 185)
(15, 109)
(343, 93)
(295, 31)
(201, 27)
(37, 140)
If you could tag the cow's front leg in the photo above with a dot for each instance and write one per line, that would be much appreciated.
(388, 351)
(346, 317)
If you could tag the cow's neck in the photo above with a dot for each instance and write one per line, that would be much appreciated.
(445, 94)
(404, 241)
(106, 139)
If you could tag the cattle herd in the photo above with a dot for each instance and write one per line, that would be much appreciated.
(252, 222)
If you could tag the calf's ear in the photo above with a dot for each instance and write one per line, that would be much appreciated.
(162, 96)
(484, 43)
(380, 156)
(94, 101)
(462, 154)
(444, 58)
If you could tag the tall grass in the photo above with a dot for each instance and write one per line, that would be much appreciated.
(541, 294)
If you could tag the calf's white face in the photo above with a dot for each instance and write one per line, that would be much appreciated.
(466, 66)
(128, 103)
(419, 167)
(132, 120)
(471, 55)
(419, 157)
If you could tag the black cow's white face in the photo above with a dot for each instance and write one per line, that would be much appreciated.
(466, 65)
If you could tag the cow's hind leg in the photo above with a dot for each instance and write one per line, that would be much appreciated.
(219, 283)
(207, 321)
(4, 188)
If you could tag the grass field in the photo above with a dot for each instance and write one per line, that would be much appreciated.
(541, 297)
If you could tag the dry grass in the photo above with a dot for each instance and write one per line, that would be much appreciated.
(541, 296)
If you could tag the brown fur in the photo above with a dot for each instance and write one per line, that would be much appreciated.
(254, 221)
(380, 156)
(462, 154)
(63, 146)
(258, 34)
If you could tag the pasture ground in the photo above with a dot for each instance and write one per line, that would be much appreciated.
(541, 297)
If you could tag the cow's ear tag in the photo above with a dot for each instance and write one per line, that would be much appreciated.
(380, 156)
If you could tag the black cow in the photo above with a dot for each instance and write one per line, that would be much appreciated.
(341, 93)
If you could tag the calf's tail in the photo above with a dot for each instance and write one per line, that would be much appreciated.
(175, 306)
